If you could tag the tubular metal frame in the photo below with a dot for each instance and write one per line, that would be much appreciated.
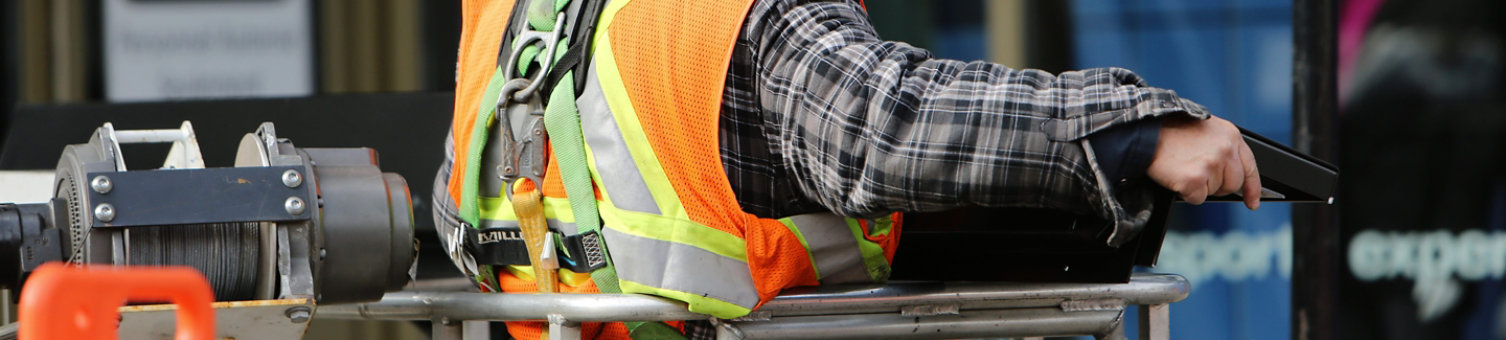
(899, 310)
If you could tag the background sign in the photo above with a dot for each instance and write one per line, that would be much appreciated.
(1235, 57)
(156, 50)
(1422, 135)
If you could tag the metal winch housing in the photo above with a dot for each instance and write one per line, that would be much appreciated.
(284, 223)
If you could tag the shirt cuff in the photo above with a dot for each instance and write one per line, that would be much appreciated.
(1124, 152)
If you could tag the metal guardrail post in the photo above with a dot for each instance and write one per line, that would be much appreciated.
(562, 329)
(460, 330)
(1155, 322)
(447, 330)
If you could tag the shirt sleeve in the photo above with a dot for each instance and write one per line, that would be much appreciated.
(1124, 152)
(870, 127)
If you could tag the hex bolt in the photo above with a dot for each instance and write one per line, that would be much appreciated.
(104, 212)
(101, 184)
(294, 205)
(298, 314)
(292, 178)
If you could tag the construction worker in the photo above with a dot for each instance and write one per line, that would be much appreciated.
(718, 152)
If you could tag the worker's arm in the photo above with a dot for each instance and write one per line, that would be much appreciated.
(870, 126)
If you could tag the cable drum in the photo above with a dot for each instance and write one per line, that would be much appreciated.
(67, 188)
(225, 252)
(349, 237)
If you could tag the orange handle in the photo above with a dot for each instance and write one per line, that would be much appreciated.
(64, 302)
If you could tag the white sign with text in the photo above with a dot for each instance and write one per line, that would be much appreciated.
(187, 49)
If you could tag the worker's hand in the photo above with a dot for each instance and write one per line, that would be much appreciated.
(1197, 158)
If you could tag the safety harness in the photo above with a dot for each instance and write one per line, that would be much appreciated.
(536, 111)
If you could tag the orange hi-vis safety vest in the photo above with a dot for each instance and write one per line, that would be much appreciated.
(649, 113)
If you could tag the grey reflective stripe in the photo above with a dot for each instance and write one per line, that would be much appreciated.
(833, 246)
(565, 228)
(681, 267)
(619, 174)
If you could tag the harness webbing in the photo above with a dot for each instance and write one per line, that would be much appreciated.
(562, 120)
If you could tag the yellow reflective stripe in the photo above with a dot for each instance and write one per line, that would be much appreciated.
(790, 224)
(873, 253)
(671, 229)
(695, 302)
(500, 209)
(572, 279)
(672, 225)
(627, 123)
(566, 276)
(522, 272)
(608, 13)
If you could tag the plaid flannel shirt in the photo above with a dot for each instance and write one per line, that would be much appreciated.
(821, 114)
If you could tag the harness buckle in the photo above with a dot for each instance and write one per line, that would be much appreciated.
(459, 247)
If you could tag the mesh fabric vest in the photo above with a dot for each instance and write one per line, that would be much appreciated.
(649, 116)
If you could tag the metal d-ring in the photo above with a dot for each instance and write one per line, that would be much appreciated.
(550, 40)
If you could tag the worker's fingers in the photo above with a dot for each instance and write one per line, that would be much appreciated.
(1251, 178)
(1196, 195)
(1197, 190)
(1233, 173)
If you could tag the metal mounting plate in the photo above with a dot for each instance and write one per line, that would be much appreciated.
(192, 196)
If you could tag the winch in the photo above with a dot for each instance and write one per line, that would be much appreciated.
(284, 222)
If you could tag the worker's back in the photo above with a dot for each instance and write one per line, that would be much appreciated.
(647, 106)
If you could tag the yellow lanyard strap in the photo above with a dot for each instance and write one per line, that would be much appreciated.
(530, 210)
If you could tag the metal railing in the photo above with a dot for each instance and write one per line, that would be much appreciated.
(894, 310)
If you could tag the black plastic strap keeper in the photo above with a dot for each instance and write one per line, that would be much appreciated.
(588, 251)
